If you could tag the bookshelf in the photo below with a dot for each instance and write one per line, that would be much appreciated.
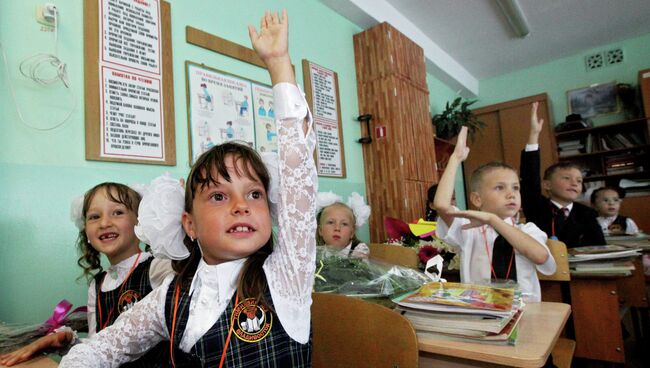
(609, 152)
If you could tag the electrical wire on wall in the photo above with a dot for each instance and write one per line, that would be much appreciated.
(39, 68)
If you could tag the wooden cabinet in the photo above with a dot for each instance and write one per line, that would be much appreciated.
(644, 84)
(506, 134)
(391, 86)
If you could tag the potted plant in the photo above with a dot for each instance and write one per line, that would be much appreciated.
(456, 115)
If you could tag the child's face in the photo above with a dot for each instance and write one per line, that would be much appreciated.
(109, 228)
(565, 185)
(336, 226)
(231, 220)
(498, 193)
(608, 203)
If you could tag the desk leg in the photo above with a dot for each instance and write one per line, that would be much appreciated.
(594, 304)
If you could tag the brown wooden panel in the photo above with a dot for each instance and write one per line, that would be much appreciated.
(487, 147)
(595, 318)
(637, 209)
(215, 43)
(515, 128)
(631, 290)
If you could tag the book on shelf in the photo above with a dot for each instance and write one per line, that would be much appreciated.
(569, 153)
(589, 144)
(624, 170)
(623, 139)
(570, 143)
(636, 138)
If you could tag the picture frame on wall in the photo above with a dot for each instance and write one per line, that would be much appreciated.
(224, 107)
(593, 100)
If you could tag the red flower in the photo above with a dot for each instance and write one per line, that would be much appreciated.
(426, 253)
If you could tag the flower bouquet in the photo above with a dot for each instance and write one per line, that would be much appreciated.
(422, 237)
(361, 277)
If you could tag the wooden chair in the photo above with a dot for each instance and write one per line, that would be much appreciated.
(552, 292)
(349, 332)
(394, 254)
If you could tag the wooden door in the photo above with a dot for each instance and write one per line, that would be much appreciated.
(506, 134)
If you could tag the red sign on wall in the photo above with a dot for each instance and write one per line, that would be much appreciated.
(380, 132)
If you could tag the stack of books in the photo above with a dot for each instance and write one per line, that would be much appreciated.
(640, 240)
(570, 147)
(464, 312)
(622, 164)
(602, 260)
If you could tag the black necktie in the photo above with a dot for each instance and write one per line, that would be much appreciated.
(502, 253)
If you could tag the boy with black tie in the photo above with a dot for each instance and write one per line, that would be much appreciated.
(558, 215)
(493, 245)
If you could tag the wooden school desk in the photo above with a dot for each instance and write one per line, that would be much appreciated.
(596, 302)
(539, 329)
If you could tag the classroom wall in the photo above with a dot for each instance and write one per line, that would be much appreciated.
(42, 171)
(559, 76)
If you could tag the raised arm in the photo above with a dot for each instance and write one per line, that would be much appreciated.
(290, 268)
(531, 182)
(442, 201)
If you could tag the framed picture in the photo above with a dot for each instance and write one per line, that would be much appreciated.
(594, 100)
(224, 107)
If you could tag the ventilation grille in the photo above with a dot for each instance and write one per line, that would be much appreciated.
(614, 56)
(594, 61)
(604, 58)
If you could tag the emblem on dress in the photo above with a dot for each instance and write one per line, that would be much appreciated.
(127, 300)
(252, 322)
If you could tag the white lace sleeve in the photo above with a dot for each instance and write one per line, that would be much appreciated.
(133, 333)
(290, 268)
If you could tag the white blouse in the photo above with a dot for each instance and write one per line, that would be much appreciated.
(115, 275)
(289, 269)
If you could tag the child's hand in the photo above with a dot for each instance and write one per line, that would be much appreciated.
(476, 218)
(461, 151)
(55, 340)
(272, 41)
(536, 124)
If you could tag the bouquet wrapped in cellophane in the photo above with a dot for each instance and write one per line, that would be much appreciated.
(336, 273)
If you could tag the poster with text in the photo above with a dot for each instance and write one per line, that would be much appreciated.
(221, 108)
(322, 86)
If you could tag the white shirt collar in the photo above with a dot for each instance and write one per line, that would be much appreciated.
(126, 264)
(568, 206)
(222, 276)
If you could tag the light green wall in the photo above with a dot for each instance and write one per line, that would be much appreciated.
(559, 76)
(40, 172)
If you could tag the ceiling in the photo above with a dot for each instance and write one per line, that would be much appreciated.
(469, 40)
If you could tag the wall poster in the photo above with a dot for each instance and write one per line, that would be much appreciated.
(322, 91)
(222, 107)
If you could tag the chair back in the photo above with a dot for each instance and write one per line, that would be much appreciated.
(349, 332)
(394, 254)
(559, 252)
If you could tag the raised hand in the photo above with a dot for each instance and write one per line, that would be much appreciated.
(461, 151)
(272, 40)
(536, 124)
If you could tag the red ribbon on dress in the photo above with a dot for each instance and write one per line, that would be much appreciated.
(61, 315)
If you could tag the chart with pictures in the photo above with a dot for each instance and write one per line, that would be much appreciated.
(223, 107)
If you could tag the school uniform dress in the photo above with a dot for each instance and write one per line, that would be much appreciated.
(617, 225)
(476, 264)
(204, 309)
(578, 228)
(117, 296)
(360, 250)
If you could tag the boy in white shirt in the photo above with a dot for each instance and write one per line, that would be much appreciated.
(492, 245)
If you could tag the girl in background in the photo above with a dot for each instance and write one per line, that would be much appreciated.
(338, 223)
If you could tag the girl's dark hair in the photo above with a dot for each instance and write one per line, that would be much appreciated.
(620, 191)
(209, 167)
(116, 192)
(321, 241)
